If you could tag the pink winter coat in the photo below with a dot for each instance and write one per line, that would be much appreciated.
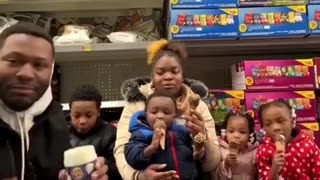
(246, 169)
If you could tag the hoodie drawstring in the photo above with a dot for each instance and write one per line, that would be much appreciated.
(23, 150)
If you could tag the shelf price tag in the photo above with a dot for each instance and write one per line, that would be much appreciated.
(85, 48)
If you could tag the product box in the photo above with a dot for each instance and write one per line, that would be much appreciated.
(259, 3)
(312, 129)
(273, 21)
(188, 4)
(314, 19)
(303, 102)
(205, 24)
(314, 2)
(274, 75)
(220, 102)
(317, 72)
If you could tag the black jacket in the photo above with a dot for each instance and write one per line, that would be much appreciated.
(177, 153)
(102, 137)
(48, 141)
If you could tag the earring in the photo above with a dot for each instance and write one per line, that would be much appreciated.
(251, 138)
(294, 117)
(223, 133)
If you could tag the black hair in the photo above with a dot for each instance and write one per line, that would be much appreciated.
(28, 29)
(157, 94)
(86, 92)
(277, 103)
(247, 116)
(172, 49)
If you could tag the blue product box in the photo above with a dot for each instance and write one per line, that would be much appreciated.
(195, 4)
(258, 3)
(315, 2)
(273, 21)
(192, 24)
(314, 19)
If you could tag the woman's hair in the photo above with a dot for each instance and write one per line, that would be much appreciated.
(247, 116)
(163, 47)
(157, 94)
(277, 103)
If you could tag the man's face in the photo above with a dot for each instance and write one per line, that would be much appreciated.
(25, 68)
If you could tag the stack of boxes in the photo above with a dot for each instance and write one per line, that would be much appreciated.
(290, 80)
(233, 19)
(220, 102)
(203, 19)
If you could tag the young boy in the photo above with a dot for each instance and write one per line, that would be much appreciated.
(87, 128)
(144, 147)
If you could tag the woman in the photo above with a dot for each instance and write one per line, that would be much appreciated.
(167, 77)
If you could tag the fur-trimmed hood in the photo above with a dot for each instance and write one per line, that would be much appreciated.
(130, 89)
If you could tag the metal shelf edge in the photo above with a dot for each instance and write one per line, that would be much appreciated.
(73, 5)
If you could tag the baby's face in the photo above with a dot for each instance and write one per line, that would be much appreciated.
(161, 108)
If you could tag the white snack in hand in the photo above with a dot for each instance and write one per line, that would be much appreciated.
(79, 156)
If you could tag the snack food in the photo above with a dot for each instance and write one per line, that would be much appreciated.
(280, 142)
(79, 162)
(161, 125)
(234, 146)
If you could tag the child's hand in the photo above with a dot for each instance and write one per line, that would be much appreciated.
(154, 146)
(278, 160)
(231, 160)
(157, 134)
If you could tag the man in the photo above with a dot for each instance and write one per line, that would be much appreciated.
(33, 130)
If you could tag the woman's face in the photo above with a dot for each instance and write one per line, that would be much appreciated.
(167, 76)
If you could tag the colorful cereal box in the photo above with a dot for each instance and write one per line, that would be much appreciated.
(187, 4)
(314, 19)
(220, 102)
(274, 75)
(303, 102)
(190, 24)
(273, 21)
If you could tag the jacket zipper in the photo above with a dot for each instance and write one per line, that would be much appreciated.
(174, 154)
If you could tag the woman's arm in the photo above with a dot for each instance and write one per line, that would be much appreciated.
(123, 136)
(213, 155)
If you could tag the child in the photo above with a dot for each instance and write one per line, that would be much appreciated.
(298, 159)
(88, 129)
(143, 147)
(238, 148)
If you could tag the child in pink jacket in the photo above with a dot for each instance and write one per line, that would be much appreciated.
(238, 148)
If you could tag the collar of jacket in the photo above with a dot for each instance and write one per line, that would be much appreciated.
(130, 89)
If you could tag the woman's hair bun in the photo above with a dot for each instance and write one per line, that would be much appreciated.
(156, 47)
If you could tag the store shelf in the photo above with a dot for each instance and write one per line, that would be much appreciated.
(118, 51)
(72, 5)
(101, 51)
(104, 104)
(254, 46)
